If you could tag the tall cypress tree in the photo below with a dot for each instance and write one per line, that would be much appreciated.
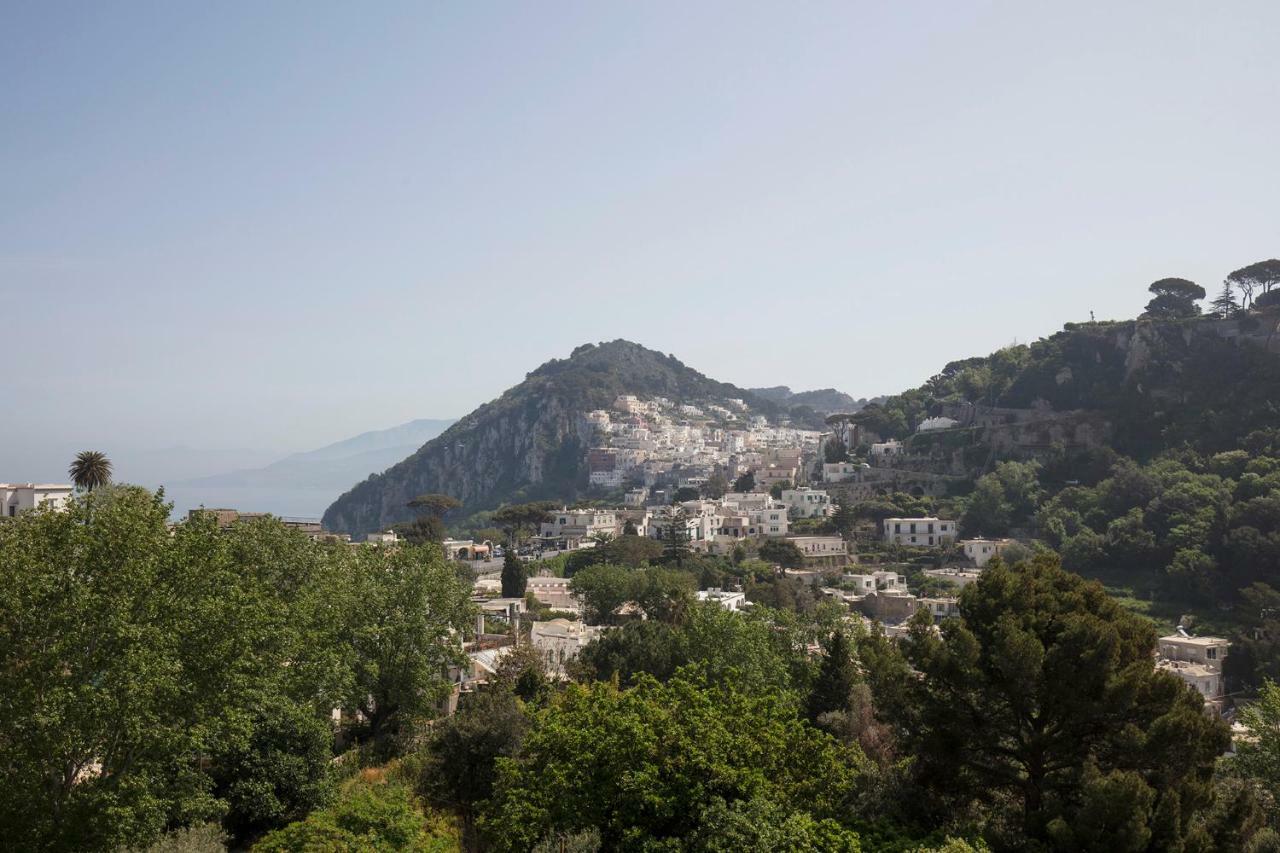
(514, 578)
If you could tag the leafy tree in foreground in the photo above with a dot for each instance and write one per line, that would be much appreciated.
(406, 614)
(749, 650)
(156, 678)
(274, 771)
(90, 691)
(1258, 757)
(642, 766)
(745, 482)
(458, 767)
(1043, 706)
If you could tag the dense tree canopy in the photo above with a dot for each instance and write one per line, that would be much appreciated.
(1260, 277)
(129, 650)
(1043, 706)
(1174, 299)
(644, 765)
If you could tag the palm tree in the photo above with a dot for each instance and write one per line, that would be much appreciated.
(90, 469)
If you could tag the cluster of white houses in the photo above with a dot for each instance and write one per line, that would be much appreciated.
(710, 526)
(639, 444)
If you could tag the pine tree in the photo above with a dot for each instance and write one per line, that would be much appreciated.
(514, 578)
(1225, 305)
(835, 679)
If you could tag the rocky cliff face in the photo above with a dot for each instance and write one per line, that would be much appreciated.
(497, 453)
(530, 443)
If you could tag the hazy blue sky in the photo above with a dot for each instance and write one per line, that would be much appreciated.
(273, 225)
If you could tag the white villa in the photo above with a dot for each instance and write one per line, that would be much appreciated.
(805, 502)
(926, 531)
(559, 641)
(733, 601)
(982, 550)
(1197, 661)
(17, 498)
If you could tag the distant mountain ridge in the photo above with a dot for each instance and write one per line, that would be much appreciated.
(335, 465)
(824, 400)
(530, 443)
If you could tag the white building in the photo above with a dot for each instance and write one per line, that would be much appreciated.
(806, 503)
(840, 472)
(884, 450)
(876, 582)
(465, 549)
(940, 608)
(821, 551)
(17, 498)
(1197, 661)
(636, 497)
(959, 577)
(560, 641)
(934, 424)
(612, 479)
(733, 601)
(927, 531)
(748, 500)
(770, 475)
(571, 527)
(981, 551)
(1209, 651)
(554, 593)
(628, 403)
(699, 526)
